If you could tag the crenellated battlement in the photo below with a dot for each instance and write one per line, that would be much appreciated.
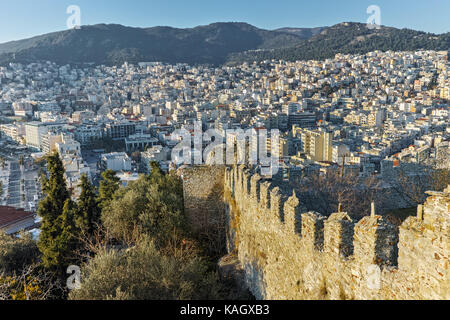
(339, 231)
(302, 254)
(373, 239)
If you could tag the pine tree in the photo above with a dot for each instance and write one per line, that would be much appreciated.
(55, 188)
(108, 186)
(57, 211)
(58, 240)
(88, 211)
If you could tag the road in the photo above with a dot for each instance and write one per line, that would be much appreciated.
(15, 186)
(14, 194)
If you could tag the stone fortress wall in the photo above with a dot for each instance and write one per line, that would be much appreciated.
(285, 252)
(203, 195)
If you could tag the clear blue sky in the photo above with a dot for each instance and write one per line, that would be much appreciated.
(25, 18)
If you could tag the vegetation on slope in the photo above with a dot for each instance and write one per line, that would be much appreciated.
(350, 38)
(214, 44)
(131, 243)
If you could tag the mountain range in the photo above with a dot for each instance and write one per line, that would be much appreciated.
(214, 44)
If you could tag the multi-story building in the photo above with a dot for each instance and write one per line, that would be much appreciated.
(375, 118)
(88, 133)
(34, 133)
(120, 130)
(139, 142)
(116, 161)
(49, 141)
(158, 154)
(303, 119)
(68, 146)
(339, 152)
(317, 145)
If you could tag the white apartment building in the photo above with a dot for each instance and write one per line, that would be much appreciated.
(116, 161)
(339, 152)
(34, 131)
(86, 134)
(68, 146)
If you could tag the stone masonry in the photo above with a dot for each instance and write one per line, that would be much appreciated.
(288, 253)
(203, 195)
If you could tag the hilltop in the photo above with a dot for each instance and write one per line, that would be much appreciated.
(350, 38)
(215, 44)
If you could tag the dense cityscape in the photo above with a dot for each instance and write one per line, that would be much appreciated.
(360, 110)
(234, 163)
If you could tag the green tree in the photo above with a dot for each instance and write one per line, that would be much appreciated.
(147, 251)
(59, 240)
(108, 186)
(57, 210)
(55, 189)
(88, 211)
(156, 169)
(16, 253)
(153, 205)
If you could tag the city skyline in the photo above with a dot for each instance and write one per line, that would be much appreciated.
(53, 14)
(224, 151)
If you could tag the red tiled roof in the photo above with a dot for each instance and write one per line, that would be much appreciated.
(10, 215)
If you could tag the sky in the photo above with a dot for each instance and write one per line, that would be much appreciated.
(21, 19)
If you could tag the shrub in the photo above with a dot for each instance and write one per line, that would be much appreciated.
(144, 273)
(17, 253)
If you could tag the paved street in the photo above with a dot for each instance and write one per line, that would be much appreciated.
(32, 188)
(15, 186)
(14, 195)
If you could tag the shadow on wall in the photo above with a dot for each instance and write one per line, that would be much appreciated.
(367, 260)
(203, 191)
